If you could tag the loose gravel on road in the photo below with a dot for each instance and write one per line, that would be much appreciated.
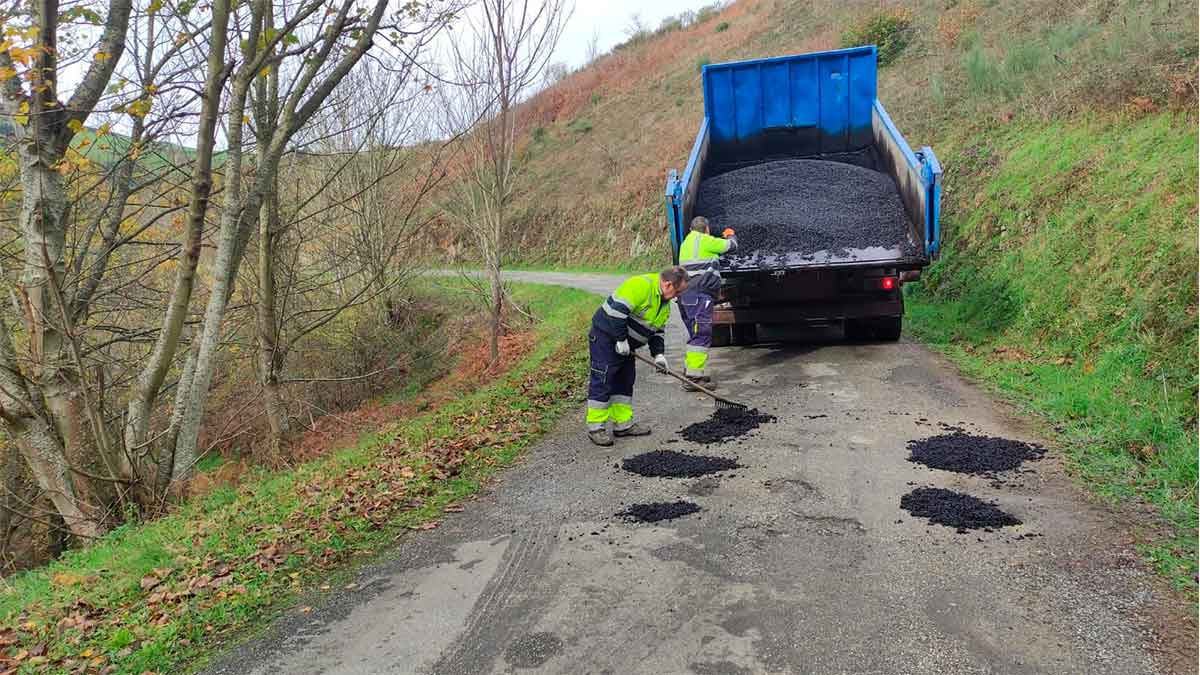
(788, 210)
(967, 453)
(724, 424)
(657, 511)
(671, 464)
(955, 509)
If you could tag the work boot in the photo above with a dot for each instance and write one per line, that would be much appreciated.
(693, 381)
(635, 430)
(600, 437)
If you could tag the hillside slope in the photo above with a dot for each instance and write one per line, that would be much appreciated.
(1068, 133)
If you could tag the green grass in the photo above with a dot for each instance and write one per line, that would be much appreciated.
(220, 574)
(1069, 284)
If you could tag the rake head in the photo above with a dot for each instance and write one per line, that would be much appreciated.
(726, 404)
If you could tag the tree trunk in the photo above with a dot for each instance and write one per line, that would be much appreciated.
(25, 421)
(151, 378)
(497, 307)
(270, 357)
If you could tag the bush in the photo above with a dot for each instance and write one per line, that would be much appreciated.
(723, 26)
(707, 12)
(703, 61)
(889, 30)
(595, 97)
(679, 102)
(539, 134)
(581, 125)
(669, 24)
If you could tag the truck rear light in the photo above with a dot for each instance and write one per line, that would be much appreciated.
(887, 283)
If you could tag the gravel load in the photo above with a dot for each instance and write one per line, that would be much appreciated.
(724, 424)
(967, 453)
(671, 464)
(955, 509)
(788, 211)
(657, 511)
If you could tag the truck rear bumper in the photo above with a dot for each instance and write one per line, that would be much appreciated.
(809, 312)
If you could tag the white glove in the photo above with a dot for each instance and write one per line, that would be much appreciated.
(660, 362)
(623, 348)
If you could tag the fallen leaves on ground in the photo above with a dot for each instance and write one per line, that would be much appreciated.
(330, 510)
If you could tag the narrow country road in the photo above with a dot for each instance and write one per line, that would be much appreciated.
(800, 562)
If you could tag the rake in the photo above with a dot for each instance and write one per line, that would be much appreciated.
(721, 402)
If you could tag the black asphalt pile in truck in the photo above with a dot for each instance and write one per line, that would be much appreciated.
(802, 207)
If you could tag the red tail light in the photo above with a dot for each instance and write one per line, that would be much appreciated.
(887, 283)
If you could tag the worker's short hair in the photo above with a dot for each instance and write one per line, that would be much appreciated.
(699, 224)
(676, 276)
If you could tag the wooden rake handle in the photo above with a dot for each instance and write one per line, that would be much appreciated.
(676, 375)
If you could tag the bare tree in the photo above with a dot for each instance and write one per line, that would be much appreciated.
(507, 46)
(347, 209)
(636, 26)
(314, 62)
(555, 72)
(593, 47)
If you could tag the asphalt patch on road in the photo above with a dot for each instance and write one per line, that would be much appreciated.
(658, 511)
(967, 453)
(790, 210)
(955, 509)
(671, 464)
(724, 424)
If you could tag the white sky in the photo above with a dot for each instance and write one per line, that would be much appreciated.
(609, 19)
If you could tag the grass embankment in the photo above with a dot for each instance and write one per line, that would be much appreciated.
(155, 596)
(1069, 283)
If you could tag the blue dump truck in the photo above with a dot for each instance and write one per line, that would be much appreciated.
(833, 209)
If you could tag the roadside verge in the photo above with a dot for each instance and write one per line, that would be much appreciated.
(154, 596)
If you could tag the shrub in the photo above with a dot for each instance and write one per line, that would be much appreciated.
(703, 61)
(889, 30)
(671, 23)
(595, 97)
(679, 102)
(707, 12)
(723, 26)
(581, 125)
(539, 134)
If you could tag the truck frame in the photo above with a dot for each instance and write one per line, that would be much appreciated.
(820, 105)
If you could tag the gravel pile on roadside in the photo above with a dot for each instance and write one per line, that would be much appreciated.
(791, 209)
(671, 464)
(724, 424)
(657, 511)
(967, 453)
(955, 509)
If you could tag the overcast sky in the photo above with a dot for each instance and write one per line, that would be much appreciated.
(609, 19)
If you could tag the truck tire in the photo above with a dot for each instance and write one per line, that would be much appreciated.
(887, 329)
(745, 334)
(856, 330)
(722, 335)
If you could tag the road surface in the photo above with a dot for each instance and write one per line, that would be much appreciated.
(801, 562)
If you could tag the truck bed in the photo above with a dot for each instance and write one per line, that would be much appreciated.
(819, 106)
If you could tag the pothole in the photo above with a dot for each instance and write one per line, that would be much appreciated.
(724, 424)
(657, 511)
(955, 509)
(671, 464)
(967, 453)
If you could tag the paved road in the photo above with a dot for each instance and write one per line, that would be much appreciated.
(801, 562)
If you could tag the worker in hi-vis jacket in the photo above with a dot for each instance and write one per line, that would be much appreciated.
(634, 315)
(699, 255)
